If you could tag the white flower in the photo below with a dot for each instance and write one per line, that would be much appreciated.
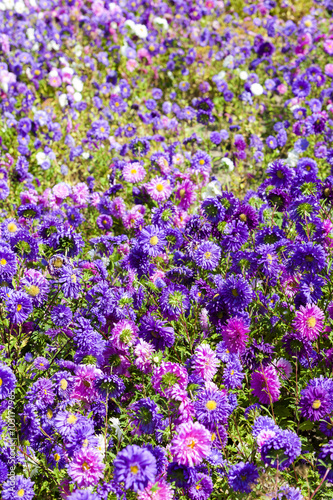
(130, 24)
(256, 89)
(243, 75)
(85, 155)
(78, 50)
(9, 4)
(292, 158)
(63, 101)
(229, 163)
(77, 84)
(35, 47)
(141, 31)
(212, 190)
(31, 34)
(77, 97)
(115, 424)
(19, 7)
(101, 445)
(52, 45)
(160, 21)
(228, 62)
(40, 157)
(220, 76)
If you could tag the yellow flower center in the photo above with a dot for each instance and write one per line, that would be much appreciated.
(3, 262)
(117, 104)
(243, 217)
(49, 414)
(56, 457)
(19, 307)
(279, 174)
(198, 486)
(207, 255)
(134, 469)
(133, 171)
(316, 404)
(159, 187)
(57, 262)
(12, 228)
(211, 405)
(63, 384)
(71, 419)
(309, 258)
(85, 443)
(0, 382)
(311, 322)
(102, 129)
(73, 278)
(234, 292)
(213, 436)
(182, 193)
(85, 466)
(201, 162)
(232, 372)
(153, 240)
(33, 291)
(20, 493)
(270, 257)
(308, 23)
(192, 444)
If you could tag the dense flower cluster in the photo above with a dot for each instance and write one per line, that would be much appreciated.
(166, 303)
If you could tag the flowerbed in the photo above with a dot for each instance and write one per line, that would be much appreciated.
(166, 250)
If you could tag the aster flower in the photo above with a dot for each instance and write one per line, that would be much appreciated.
(144, 415)
(281, 450)
(85, 379)
(309, 322)
(70, 281)
(155, 331)
(8, 263)
(307, 257)
(205, 362)
(159, 189)
(212, 407)
(152, 239)
(65, 422)
(134, 172)
(325, 456)
(314, 403)
(236, 234)
(213, 210)
(191, 444)
(202, 488)
(174, 301)
(186, 194)
(284, 368)
(61, 315)
(7, 381)
(18, 487)
(167, 375)
(19, 306)
(144, 353)
(124, 334)
(83, 495)
(207, 255)
(86, 468)
(36, 286)
(182, 475)
(265, 385)
(41, 393)
(135, 466)
(289, 492)
(235, 335)
(233, 374)
(242, 476)
(157, 491)
(236, 293)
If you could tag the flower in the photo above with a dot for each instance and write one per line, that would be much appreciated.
(207, 255)
(235, 335)
(86, 377)
(167, 375)
(61, 315)
(86, 468)
(236, 293)
(7, 381)
(135, 466)
(242, 476)
(144, 415)
(265, 385)
(157, 332)
(83, 495)
(191, 444)
(152, 240)
(159, 189)
(174, 301)
(205, 362)
(284, 368)
(326, 456)
(18, 487)
(202, 488)
(134, 172)
(314, 403)
(212, 407)
(309, 321)
(289, 492)
(8, 263)
(281, 450)
(124, 334)
(19, 306)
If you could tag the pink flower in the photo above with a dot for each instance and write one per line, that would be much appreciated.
(282, 88)
(265, 385)
(118, 207)
(87, 467)
(124, 334)
(61, 190)
(144, 353)
(284, 368)
(167, 375)
(158, 491)
(309, 321)
(80, 193)
(159, 189)
(54, 78)
(134, 172)
(205, 362)
(131, 65)
(191, 444)
(67, 74)
(235, 335)
(144, 54)
(4, 40)
(186, 194)
(264, 436)
(328, 46)
(329, 70)
(84, 383)
(29, 196)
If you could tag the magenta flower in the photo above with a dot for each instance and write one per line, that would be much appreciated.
(265, 385)
(124, 334)
(85, 383)
(191, 444)
(159, 189)
(235, 335)
(87, 467)
(309, 322)
(205, 362)
(134, 172)
(156, 491)
(167, 375)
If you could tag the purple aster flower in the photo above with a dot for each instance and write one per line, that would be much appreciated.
(182, 475)
(36, 286)
(212, 407)
(61, 315)
(311, 287)
(236, 234)
(271, 142)
(8, 264)
(307, 257)
(41, 393)
(86, 468)
(70, 281)
(152, 240)
(268, 260)
(139, 147)
(280, 175)
(289, 492)
(83, 495)
(135, 467)
(208, 255)
(7, 381)
(144, 416)
(65, 422)
(213, 210)
(314, 403)
(100, 130)
(216, 138)
(281, 450)
(326, 456)
(25, 245)
(301, 87)
(174, 301)
(233, 374)
(242, 476)
(205, 362)
(236, 293)
(124, 334)
(235, 335)
(309, 322)
(157, 332)
(167, 375)
(19, 306)
(202, 489)
(110, 386)
(263, 424)
(41, 363)
(265, 385)
(18, 487)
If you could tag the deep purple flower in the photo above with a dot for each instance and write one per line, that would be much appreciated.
(212, 407)
(207, 255)
(8, 381)
(281, 449)
(19, 306)
(135, 467)
(61, 315)
(241, 476)
(174, 301)
(265, 385)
